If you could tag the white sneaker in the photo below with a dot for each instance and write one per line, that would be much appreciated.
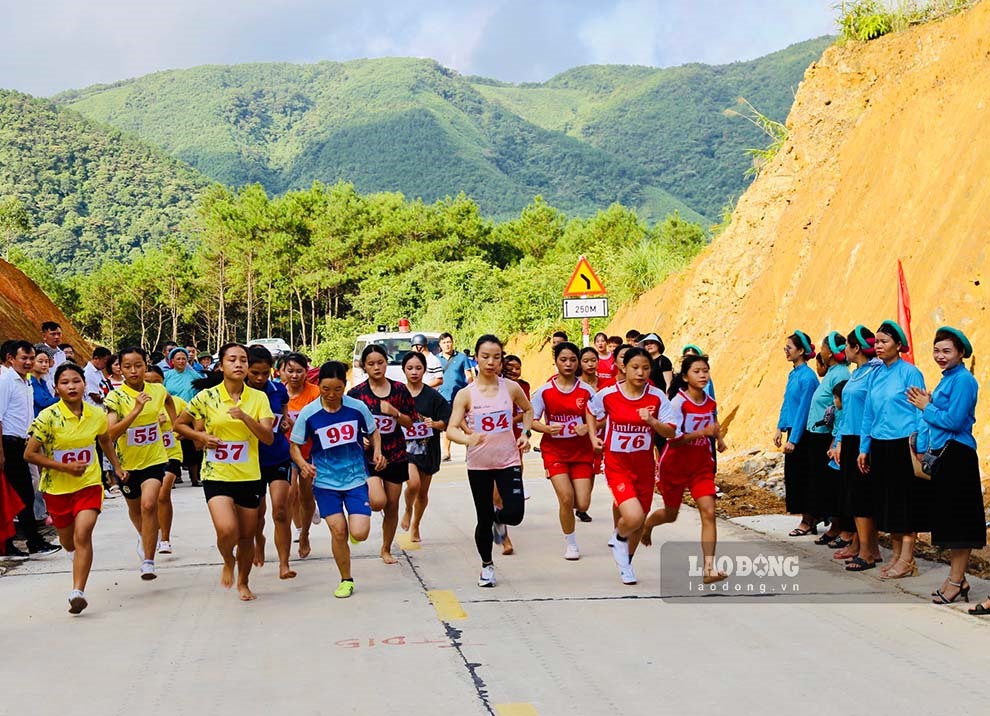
(109, 495)
(165, 547)
(148, 570)
(498, 532)
(139, 548)
(627, 574)
(487, 578)
(572, 552)
(77, 601)
(316, 517)
(296, 533)
(620, 553)
(611, 540)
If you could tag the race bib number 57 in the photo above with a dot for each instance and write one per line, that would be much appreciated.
(627, 441)
(229, 453)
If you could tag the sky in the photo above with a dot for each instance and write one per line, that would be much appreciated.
(65, 44)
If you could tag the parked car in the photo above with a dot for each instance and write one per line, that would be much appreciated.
(396, 345)
(276, 346)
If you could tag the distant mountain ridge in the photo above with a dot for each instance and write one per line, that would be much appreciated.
(656, 140)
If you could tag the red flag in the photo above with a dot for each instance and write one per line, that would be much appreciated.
(904, 311)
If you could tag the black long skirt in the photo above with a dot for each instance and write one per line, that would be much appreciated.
(824, 481)
(903, 500)
(857, 497)
(958, 518)
(796, 480)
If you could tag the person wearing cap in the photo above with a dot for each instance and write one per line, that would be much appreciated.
(801, 385)
(661, 369)
(949, 412)
(179, 378)
(434, 369)
(889, 421)
(692, 349)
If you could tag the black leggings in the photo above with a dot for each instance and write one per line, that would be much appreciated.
(510, 488)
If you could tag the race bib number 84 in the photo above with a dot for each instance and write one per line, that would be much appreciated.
(498, 422)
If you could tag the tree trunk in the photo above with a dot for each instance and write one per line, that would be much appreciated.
(302, 318)
(250, 298)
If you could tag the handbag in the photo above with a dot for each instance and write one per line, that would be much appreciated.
(924, 464)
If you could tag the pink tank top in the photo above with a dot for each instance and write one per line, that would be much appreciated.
(492, 417)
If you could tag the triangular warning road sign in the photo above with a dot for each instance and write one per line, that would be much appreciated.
(584, 281)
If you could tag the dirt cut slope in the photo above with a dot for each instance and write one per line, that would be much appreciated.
(888, 157)
(24, 307)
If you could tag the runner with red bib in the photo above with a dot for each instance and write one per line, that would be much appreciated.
(568, 456)
(687, 462)
(636, 412)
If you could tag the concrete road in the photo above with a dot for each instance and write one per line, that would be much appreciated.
(420, 637)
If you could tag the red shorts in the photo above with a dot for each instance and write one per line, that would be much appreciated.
(625, 486)
(64, 508)
(576, 470)
(701, 483)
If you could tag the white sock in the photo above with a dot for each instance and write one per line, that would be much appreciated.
(621, 551)
(571, 539)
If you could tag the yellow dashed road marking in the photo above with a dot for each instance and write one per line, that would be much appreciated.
(446, 604)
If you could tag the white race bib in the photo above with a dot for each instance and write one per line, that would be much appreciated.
(629, 441)
(229, 453)
(142, 435)
(497, 422)
(278, 421)
(69, 457)
(385, 424)
(418, 431)
(569, 427)
(168, 439)
(338, 434)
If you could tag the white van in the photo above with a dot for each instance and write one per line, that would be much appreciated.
(396, 345)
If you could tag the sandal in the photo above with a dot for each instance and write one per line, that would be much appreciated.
(858, 564)
(839, 543)
(826, 538)
(802, 531)
(963, 592)
(910, 571)
(979, 610)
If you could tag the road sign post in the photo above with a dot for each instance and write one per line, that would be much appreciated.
(583, 284)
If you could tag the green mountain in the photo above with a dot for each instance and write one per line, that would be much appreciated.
(653, 139)
(92, 193)
(671, 123)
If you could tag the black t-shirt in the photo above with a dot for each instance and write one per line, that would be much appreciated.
(426, 452)
(657, 368)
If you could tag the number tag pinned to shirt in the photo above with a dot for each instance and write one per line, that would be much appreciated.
(568, 428)
(629, 441)
(229, 453)
(385, 424)
(497, 422)
(337, 434)
(168, 439)
(82, 456)
(142, 435)
(418, 431)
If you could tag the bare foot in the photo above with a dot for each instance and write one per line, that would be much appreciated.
(647, 537)
(387, 557)
(406, 519)
(414, 535)
(246, 594)
(227, 575)
(259, 551)
(844, 553)
(713, 576)
(285, 572)
(507, 547)
(304, 546)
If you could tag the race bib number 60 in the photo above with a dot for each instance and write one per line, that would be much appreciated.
(338, 434)
(622, 441)
(142, 435)
(498, 422)
(229, 453)
(69, 457)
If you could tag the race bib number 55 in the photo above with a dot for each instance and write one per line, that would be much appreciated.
(628, 441)
(230, 453)
(142, 435)
(497, 422)
(339, 434)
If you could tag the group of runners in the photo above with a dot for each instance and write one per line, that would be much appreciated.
(323, 452)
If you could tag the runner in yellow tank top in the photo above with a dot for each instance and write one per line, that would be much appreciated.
(173, 469)
(132, 414)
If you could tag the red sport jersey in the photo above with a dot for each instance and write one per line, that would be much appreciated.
(630, 462)
(554, 405)
(688, 465)
(606, 372)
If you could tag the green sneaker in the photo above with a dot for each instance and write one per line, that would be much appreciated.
(353, 541)
(344, 590)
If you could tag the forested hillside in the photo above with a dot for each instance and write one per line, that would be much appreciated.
(91, 193)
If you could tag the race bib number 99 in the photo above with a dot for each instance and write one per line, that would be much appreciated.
(498, 422)
(229, 453)
(69, 457)
(418, 431)
(385, 424)
(339, 434)
(142, 435)
(568, 428)
(623, 441)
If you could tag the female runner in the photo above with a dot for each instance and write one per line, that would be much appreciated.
(568, 456)
(229, 419)
(132, 414)
(173, 469)
(635, 411)
(493, 451)
(61, 443)
(395, 411)
(687, 464)
(337, 425)
(422, 441)
(302, 506)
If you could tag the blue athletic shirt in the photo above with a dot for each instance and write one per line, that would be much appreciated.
(278, 452)
(338, 442)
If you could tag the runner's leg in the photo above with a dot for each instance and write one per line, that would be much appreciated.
(283, 528)
(165, 511)
(412, 493)
(259, 535)
(393, 493)
(422, 500)
(247, 525)
(150, 490)
(224, 516)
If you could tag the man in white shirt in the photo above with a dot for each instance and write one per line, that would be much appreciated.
(434, 370)
(94, 376)
(16, 414)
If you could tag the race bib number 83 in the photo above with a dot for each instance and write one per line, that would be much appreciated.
(418, 431)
